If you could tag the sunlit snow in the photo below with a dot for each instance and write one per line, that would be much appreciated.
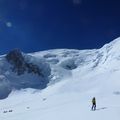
(76, 76)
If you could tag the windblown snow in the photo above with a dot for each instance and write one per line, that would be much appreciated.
(59, 84)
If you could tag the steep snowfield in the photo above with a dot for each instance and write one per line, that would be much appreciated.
(76, 77)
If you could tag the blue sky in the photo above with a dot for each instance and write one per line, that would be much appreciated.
(34, 25)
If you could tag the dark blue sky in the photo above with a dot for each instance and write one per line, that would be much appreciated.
(34, 25)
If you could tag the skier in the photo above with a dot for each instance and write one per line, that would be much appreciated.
(93, 103)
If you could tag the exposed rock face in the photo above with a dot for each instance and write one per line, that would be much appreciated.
(20, 71)
(16, 59)
(19, 65)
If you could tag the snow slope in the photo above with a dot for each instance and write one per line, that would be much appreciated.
(75, 77)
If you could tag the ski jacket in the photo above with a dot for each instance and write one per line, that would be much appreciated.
(93, 101)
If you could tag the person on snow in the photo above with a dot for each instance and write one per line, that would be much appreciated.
(93, 103)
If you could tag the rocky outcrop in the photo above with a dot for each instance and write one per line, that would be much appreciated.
(20, 65)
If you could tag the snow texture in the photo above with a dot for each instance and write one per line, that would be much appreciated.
(73, 78)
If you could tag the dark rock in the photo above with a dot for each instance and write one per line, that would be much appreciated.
(19, 65)
(16, 59)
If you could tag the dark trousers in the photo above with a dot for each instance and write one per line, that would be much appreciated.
(94, 107)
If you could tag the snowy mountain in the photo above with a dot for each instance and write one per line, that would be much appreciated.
(59, 84)
(19, 70)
